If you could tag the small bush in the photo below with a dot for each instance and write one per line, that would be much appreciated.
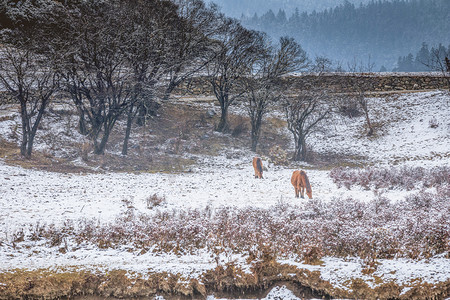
(18, 236)
(154, 201)
(55, 236)
(349, 107)
(407, 177)
(312, 253)
(433, 123)
(37, 232)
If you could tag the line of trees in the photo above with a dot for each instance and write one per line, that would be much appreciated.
(425, 59)
(122, 58)
(236, 8)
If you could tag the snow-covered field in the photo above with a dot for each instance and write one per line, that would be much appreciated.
(28, 196)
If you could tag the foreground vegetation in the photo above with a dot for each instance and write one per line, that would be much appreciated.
(417, 227)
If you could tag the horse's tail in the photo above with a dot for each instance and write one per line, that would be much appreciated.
(307, 185)
(259, 165)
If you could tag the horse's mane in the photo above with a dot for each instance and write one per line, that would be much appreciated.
(307, 185)
(259, 164)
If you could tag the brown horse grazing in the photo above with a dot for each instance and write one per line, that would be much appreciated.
(258, 166)
(301, 182)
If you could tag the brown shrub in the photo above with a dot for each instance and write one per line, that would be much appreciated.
(154, 201)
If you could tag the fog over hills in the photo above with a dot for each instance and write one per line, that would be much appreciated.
(235, 8)
(387, 35)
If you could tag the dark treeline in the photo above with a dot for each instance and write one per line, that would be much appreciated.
(236, 8)
(425, 59)
(381, 30)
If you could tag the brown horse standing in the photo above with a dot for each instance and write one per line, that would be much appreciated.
(301, 182)
(258, 166)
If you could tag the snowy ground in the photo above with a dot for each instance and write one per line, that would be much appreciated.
(30, 196)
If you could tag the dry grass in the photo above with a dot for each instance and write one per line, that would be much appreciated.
(330, 160)
(168, 143)
(228, 281)
(378, 229)
(154, 201)
(163, 145)
(40, 160)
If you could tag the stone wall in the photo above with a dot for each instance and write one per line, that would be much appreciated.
(342, 83)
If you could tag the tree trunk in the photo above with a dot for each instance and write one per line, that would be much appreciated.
(146, 108)
(363, 103)
(254, 142)
(303, 153)
(24, 142)
(256, 130)
(172, 85)
(300, 150)
(82, 125)
(23, 145)
(223, 123)
(33, 130)
(128, 131)
(142, 114)
(100, 148)
(30, 144)
(104, 141)
(368, 123)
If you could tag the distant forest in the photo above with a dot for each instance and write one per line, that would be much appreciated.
(424, 60)
(235, 8)
(386, 34)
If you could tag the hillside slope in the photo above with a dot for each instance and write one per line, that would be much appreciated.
(216, 228)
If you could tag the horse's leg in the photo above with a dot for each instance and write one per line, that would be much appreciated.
(302, 192)
(296, 192)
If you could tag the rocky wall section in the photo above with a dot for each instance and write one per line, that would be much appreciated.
(342, 83)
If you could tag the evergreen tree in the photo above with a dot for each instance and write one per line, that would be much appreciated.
(422, 58)
(281, 17)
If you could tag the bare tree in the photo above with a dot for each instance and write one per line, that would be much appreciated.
(150, 47)
(95, 72)
(193, 43)
(439, 61)
(263, 87)
(354, 66)
(360, 88)
(235, 49)
(303, 114)
(322, 65)
(363, 102)
(30, 79)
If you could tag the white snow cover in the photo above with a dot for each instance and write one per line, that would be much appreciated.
(28, 197)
